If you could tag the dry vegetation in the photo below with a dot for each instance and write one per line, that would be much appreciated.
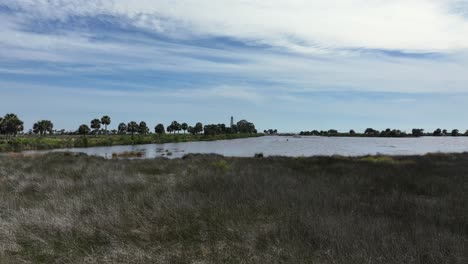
(62, 208)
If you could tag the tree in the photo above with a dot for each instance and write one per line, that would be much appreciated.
(437, 132)
(396, 133)
(198, 128)
(209, 130)
(83, 130)
(159, 129)
(169, 129)
(143, 128)
(214, 129)
(191, 130)
(106, 120)
(175, 126)
(234, 129)
(246, 127)
(11, 125)
(132, 127)
(417, 132)
(352, 132)
(96, 125)
(184, 127)
(370, 132)
(122, 128)
(455, 133)
(42, 127)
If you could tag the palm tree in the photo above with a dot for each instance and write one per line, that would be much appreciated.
(184, 127)
(43, 126)
(159, 129)
(12, 125)
(198, 128)
(169, 129)
(175, 126)
(96, 125)
(122, 128)
(143, 128)
(106, 120)
(132, 127)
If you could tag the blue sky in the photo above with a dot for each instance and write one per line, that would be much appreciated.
(291, 65)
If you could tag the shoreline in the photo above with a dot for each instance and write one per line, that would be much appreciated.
(139, 155)
(33, 143)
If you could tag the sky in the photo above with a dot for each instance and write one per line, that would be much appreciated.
(291, 65)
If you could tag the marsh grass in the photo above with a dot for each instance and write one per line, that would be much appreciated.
(29, 142)
(67, 208)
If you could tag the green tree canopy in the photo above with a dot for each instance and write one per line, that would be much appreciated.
(143, 128)
(169, 129)
(246, 127)
(42, 127)
(11, 125)
(175, 126)
(417, 132)
(132, 127)
(83, 130)
(198, 128)
(191, 130)
(184, 127)
(122, 128)
(159, 129)
(96, 125)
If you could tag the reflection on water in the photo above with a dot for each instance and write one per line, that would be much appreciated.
(283, 146)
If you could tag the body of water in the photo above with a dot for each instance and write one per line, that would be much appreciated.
(286, 146)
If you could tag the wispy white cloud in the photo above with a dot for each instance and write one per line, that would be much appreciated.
(328, 28)
(412, 25)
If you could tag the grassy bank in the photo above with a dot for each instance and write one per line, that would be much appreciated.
(22, 143)
(62, 208)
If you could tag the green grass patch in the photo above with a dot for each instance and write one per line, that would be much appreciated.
(23, 143)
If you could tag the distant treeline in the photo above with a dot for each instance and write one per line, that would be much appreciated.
(11, 125)
(370, 132)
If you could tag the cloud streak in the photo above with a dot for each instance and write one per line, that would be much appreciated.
(415, 25)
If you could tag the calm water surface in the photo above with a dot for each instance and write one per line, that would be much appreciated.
(288, 146)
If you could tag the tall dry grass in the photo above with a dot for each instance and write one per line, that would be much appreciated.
(62, 208)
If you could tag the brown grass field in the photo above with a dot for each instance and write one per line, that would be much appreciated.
(64, 208)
